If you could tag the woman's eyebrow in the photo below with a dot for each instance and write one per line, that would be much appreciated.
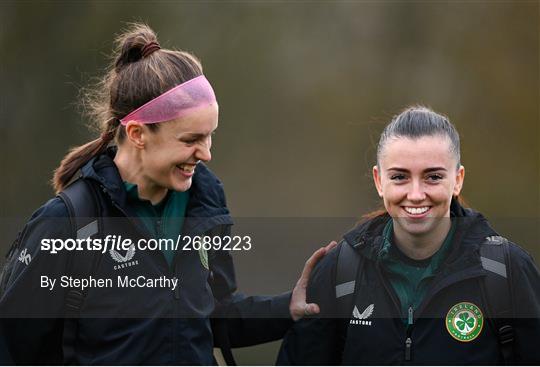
(433, 169)
(427, 170)
(193, 135)
(398, 169)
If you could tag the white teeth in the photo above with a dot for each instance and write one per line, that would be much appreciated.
(187, 167)
(416, 211)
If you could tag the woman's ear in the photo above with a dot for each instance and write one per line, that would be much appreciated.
(460, 177)
(377, 180)
(135, 134)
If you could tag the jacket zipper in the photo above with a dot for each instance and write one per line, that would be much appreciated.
(170, 268)
(408, 340)
(172, 272)
(158, 227)
(410, 315)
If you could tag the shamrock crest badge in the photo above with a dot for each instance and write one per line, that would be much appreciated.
(464, 321)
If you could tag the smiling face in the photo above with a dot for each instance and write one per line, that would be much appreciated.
(417, 178)
(168, 156)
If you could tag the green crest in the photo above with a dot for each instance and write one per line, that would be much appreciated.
(464, 321)
(203, 255)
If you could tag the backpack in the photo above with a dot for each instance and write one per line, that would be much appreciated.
(83, 206)
(496, 287)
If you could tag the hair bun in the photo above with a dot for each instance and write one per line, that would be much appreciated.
(149, 48)
(135, 43)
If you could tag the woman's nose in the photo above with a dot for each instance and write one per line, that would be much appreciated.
(416, 192)
(203, 153)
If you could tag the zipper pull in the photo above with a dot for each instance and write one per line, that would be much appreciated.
(158, 227)
(408, 344)
(411, 316)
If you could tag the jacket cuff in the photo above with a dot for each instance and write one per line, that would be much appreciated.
(281, 304)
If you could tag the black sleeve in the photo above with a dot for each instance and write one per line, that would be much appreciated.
(249, 320)
(525, 287)
(30, 327)
(317, 340)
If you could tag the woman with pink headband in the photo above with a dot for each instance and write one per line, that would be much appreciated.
(157, 113)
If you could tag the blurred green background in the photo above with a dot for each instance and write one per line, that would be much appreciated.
(304, 89)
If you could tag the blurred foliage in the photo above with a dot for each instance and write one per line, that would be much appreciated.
(304, 89)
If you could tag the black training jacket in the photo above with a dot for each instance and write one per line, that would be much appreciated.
(131, 326)
(374, 331)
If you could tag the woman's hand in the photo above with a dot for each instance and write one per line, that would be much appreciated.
(298, 306)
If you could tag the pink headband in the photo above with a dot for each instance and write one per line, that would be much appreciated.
(176, 102)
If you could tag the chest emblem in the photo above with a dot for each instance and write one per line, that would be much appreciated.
(464, 321)
(361, 318)
(124, 260)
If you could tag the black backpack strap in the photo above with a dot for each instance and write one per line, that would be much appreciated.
(498, 292)
(82, 204)
(220, 331)
(219, 326)
(348, 262)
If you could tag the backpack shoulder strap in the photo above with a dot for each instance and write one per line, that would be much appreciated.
(495, 259)
(82, 204)
(219, 326)
(348, 263)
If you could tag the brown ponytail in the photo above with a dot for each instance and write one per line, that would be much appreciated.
(138, 72)
(78, 156)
